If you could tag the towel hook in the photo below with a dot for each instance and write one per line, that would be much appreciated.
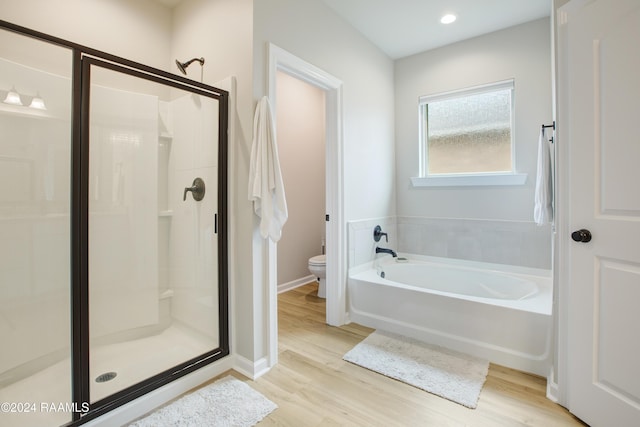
(550, 126)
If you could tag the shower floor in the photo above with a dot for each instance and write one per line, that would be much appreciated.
(133, 361)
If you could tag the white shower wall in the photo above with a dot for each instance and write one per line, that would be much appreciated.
(193, 249)
(123, 217)
(152, 255)
(168, 271)
(34, 219)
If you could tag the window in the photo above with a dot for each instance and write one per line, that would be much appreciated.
(468, 133)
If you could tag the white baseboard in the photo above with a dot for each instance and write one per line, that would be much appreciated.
(156, 398)
(251, 369)
(296, 283)
(553, 391)
(347, 318)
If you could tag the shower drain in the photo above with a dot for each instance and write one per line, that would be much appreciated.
(106, 377)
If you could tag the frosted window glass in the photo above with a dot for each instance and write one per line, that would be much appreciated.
(469, 133)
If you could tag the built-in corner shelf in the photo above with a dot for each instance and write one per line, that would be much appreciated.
(166, 294)
(165, 214)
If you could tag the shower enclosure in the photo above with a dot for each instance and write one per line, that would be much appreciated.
(113, 242)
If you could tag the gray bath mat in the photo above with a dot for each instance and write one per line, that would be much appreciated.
(445, 373)
(228, 402)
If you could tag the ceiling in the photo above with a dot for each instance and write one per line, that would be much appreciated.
(404, 27)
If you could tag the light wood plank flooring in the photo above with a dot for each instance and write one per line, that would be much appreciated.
(313, 386)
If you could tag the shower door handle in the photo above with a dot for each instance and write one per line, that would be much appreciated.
(197, 190)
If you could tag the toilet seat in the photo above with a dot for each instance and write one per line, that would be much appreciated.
(318, 260)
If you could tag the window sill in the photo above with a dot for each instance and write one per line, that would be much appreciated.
(470, 180)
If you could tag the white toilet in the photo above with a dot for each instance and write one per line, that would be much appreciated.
(318, 267)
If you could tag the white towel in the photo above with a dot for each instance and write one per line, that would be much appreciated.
(266, 188)
(543, 209)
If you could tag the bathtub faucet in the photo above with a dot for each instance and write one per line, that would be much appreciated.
(386, 251)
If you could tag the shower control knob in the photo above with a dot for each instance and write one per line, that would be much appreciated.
(583, 236)
(377, 234)
(197, 190)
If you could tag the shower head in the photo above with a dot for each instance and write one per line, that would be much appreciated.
(182, 66)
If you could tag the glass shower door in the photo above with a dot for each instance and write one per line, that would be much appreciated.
(35, 253)
(113, 277)
(153, 270)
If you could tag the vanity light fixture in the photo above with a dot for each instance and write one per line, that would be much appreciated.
(13, 98)
(38, 103)
(448, 18)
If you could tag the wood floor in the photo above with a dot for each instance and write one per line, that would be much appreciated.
(313, 386)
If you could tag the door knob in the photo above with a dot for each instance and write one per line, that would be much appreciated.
(197, 190)
(583, 236)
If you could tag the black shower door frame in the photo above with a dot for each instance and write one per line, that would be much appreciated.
(83, 59)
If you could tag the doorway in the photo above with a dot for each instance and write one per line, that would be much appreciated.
(301, 147)
(282, 61)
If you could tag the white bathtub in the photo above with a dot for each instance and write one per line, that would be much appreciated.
(501, 313)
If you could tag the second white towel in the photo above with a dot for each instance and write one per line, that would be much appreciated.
(543, 203)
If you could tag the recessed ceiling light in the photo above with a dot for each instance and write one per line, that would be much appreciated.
(448, 18)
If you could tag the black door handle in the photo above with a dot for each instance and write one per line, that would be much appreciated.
(583, 236)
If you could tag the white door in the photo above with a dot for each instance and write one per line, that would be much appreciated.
(600, 120)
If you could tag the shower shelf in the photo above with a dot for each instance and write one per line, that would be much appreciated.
(165, 138)
(166, 294)
(167, 213)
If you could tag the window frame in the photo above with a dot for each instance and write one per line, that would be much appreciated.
(465, 178)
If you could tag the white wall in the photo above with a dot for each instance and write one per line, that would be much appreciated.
(522, 53)
(300, 131)
(492, 223)
(313, 32)
(139, 30)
